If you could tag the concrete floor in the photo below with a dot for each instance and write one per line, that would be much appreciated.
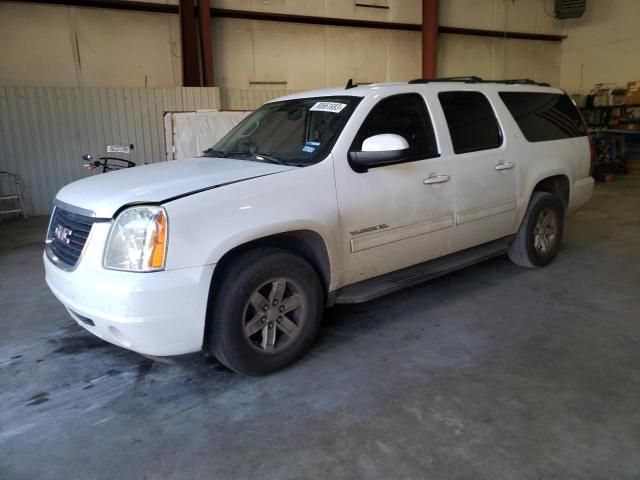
(494, 372)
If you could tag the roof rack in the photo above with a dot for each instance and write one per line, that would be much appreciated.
(471, 79)
(525, 81)
(474, 79)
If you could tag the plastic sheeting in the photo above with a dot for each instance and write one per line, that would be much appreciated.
(188, 134)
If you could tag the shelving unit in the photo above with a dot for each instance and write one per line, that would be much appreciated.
(615, 131)
(602, 116)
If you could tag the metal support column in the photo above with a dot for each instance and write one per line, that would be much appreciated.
(429, 38)
(206, 52)
(189, 36)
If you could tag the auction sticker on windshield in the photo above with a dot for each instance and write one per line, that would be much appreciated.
(333, 107)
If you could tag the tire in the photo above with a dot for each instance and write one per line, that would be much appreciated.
(533, 247)
(254, 328)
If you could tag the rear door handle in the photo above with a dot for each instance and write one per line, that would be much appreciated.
(435, 178)
(505, 165)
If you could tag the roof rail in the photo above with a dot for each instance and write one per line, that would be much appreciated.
(471, 79)
(525, 81)
(474, 79)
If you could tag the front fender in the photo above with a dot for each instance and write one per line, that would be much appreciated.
(247, 236)
(205, 226)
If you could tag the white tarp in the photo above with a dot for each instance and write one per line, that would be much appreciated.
(188, 134)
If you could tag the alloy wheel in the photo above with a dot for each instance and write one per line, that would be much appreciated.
(545, 231)
(274, 315)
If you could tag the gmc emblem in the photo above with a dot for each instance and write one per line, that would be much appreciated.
(63, 234)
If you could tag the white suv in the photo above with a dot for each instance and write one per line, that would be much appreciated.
(323, 197)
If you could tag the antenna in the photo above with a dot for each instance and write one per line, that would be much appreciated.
(350, 84)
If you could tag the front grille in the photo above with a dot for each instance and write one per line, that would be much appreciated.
(67, 235)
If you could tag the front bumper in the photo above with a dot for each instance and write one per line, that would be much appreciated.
(159, 313)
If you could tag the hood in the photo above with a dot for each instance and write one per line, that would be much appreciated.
(105, 193)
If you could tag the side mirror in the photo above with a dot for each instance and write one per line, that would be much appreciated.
(378, 151)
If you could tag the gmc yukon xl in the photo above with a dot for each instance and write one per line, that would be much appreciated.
(331, 196)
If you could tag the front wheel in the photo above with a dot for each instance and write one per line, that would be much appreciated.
(538, 238)
(266, 311)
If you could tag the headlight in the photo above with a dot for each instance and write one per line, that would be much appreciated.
(138, 240)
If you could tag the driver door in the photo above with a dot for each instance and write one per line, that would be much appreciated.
(395, 216)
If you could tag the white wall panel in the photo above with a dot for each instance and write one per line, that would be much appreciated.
(36, 46)
(460, 55)
(532, 59)
(357, 53)
(402, 11)
(603, 46)
(127, 49)
(233, 52)
(404, 57)
(45, 131)
(69, 46)
(495, 58)
(243, 99)
(290, 52)
(531, 16)
(310, 56)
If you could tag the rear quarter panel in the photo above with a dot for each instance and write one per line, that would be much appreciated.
(539, 160)
(536, 161)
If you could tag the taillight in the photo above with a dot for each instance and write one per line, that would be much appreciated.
(592, 151)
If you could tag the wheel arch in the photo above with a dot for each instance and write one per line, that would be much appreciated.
(308, 244)
(555, 181)
(557, 184)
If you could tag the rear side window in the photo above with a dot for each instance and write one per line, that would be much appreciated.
(405, 115)
(544, 116)
(472, 124)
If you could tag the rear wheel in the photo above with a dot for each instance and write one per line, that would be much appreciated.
(266, 311)
(538, 238)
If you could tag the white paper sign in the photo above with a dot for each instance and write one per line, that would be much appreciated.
(118, 149)
(333, 107)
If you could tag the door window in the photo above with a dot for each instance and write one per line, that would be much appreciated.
(472, 124)
(405, 115)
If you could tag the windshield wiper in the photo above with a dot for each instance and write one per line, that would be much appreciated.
(260, 157)
(264, 157)
(210, 152)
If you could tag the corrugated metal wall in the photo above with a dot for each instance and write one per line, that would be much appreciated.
(45, 131)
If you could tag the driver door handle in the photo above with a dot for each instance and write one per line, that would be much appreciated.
(435, 178)
(504, 165)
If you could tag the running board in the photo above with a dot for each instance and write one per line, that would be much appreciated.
(416, 274)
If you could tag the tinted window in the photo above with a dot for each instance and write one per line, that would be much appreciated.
(472, 124)
(405, 115)
(544, 116)
(298, 132)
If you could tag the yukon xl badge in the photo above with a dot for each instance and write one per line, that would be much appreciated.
(370, 229)
(63, 234)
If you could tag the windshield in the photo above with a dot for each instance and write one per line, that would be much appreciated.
(293, 132)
